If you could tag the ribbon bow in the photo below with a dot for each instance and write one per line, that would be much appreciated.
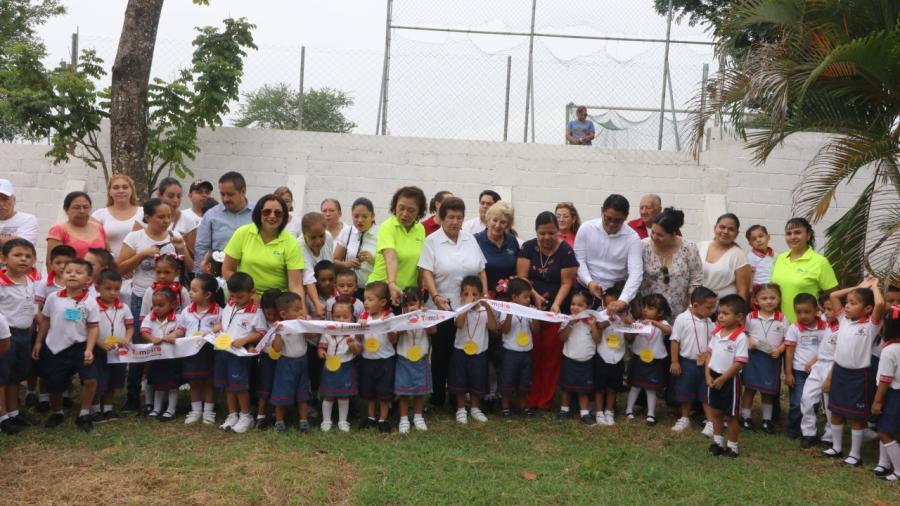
(895, 311)
(177, 257)
(175, 287)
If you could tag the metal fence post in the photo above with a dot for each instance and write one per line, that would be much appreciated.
(302, 95)
(703, 103)
(530, 69)
(674, 119)
(662, 102)
(74, 59)
(506, 102)
(386, 70)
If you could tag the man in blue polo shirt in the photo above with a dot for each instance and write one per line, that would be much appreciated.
(220, 222)
(580, 131)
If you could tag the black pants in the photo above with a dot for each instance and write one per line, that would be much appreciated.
(441, 350)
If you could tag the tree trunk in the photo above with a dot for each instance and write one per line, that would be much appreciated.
(130, 80)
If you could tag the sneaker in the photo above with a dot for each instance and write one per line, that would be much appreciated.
(563, 415)
(708, 430)
(403, 427)
(600, 418)
(461, 416)
(230, 420)
(303, 426)
(209, 418)
(193, 417)
(681, 425)
(344, 426)
(7, 427)
(280, 426)
(384, 427)
(111, 415)
(262, 423)
(715, 450)
(478, 415)
(84, 423)
(54, 420)
(588, 420)
(747, 424)
(610, 418)
(325, 426)
(808, 442)
(729, 453)
(43, 406)
(368, 423)
(419, 422)
(31, 400)
(245, 421)
(768, 427)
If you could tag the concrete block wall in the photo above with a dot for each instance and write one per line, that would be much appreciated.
(349, 166)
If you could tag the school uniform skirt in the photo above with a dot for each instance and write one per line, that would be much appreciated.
(198, 366)
(762, 373)
(890, 413)
(412, 378)
(577, 376)
(649, 375)
(164, 374)
(852, 391)
(340, 383)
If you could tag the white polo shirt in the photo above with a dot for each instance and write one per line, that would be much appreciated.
(518, 325)
(338, 346)
(69, 319)
(475, 329)
(652, 341)
(114, 319)
(45, 288)
(725, 350)
(18, 301)
(385, 348)
(889, 365)
(4, 328)
(692, 334)
(580, 345)
(417, 337)
(612, 345)
(854, 342)
(242, 322)
(806, 342)
(450, 262)
(160, 327)
(293, 345)
(829, 342)
(770, 329)
(198, 323)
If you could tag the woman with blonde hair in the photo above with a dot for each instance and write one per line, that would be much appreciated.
(121, 212)
(569, 221)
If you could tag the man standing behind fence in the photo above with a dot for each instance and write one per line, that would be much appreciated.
(580, 130)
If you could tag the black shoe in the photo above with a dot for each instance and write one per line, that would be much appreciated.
(43, 406)
(715, 450)
(85, 423)
(384, 427)
(132, 404)
(146, 410)
(97, 417)
(368, 423)
(110, 416)
(768, 427)
(830, 453)
(31, 400)
(882, 472)
(22, 421)
(852, 462)
(54, 420)
(563, 415)
(808, 442)
(262, 423)
(588, 420)
(166, 417)
(8, 427)
(651, 421)
(728, 453)
(68, 402)
(747, 424)
(506, 413)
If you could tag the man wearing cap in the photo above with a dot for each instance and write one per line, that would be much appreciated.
(198, 194)
(580, 131)
(220, 222)
(14, 224)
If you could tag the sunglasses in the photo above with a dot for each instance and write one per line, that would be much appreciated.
(665, 272)
(272, 212)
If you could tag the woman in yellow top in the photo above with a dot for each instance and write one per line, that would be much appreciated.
(265, 250)
(801, 269)
(400, 241)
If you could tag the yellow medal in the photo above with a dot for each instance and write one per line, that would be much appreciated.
(111, 341)
(470, 348)
(223, 342)
(647, 355)
(612, 341)
(333, 363)
(522, 339)
(372, 344)
(274, 355)
(197, 334)
(414, 353)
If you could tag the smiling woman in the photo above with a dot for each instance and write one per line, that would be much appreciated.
(801, 269)
(726, 269)
(79, 231)
(400, 241)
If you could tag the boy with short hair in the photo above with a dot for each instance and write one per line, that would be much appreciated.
(728, 353)
(689, 342)
(812, 388)
(802, 342)
(116, 328)
(60, 255)
(67, 335)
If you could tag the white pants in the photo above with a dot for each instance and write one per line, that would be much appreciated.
(812, 395)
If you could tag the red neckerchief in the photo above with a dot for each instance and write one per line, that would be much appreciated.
(51, 279)
(894, 311)
(62, 293)
(733, 335)
(819, 325)
(890, 342)
(834, 326)
(5, 280)
(365, 314)
(168, 318)
(213, 308)
(775, 316)
(762, 254)
(864, 319)
(249, 308)
(103, 307)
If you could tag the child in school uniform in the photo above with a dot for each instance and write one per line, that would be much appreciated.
(291, 385)
(802, 340)
(469, 362)
(48, 285)
(244, 324)
(609, 363)
(648, 372)
(101, 260)
(6, 426)
(518, 341)
(689, 345)
(580, 339)
(18, 284)
(160, 328)
(412, 377)
(116, 329)
(168, 275)
(339, 370)
(67, 335)
(198, 319)
(765, 327)
(265, 367)
(728, 353)
(812, 388)
(850, 384)
(887, 398)
(324, 279)
(376, 370)
(345, 284)
(761, 257)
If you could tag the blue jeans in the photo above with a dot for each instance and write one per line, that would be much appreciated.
(135, 371)
(796, 394)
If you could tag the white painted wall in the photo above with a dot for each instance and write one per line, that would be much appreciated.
(536, 176)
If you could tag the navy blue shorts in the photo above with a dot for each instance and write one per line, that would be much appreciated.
(889, 422)
(650, 376)
(577, 377)
(762, 373)
(5, 360)
(164, 374)
(232, 372)
(109, 376)
(608, 376)
(412, 378)
(291, 380)
(59, 369)
(690, 385)
(19, 354)
(376, 378)
(265, 376)
(728, 398)
(852, 391)
(200, 365)
(515, 372)
(468, 374)
(341, 383)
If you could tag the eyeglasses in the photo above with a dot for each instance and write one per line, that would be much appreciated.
(272, 212)
(612, 220)
(665, 272)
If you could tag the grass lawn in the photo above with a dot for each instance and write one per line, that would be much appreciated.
(138, 461)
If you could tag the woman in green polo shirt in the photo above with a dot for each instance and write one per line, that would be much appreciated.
(400, 240)
(265, 250)
(801, 269)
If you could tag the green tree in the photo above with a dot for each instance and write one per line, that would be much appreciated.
(713, 13)
(278, 107)
(833, 66)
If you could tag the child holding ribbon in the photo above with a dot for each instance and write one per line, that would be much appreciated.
(376, 370)
(412, 377)
(291, 380)
(649, 371)
(338, 367)
(516, 364)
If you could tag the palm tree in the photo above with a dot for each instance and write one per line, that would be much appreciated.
(827, 66)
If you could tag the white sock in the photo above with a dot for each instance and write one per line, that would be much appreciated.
(583, 412)
(107, 408)
(632, 397)
(404, 419)
(856, 439)
(564, 409)
(327, 406)
(418, 416)
(651, 403)
(343, 409)
(158, 398)
(149, 397)
(767, 412)
(260, 416)
(3, 417)
(746, 413)
(733, 446)
(209, 407)
(44, 398)
(883, 459)
(173, 401)
(197, 406)
(609, 413)
(718, 439)
(13, 414)
(837, 437)
(84, 412)
(893, 451)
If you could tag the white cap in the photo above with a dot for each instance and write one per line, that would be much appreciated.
(6, 188)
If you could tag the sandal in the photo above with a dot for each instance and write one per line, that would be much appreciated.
(629, 415)
(166, 417)
(852, 461)
(153, 414)
(651, 420)
(881, 471)
(831, 453)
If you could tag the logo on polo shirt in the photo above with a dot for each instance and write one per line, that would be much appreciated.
(244, 325)
(729, 347)
(276, 253)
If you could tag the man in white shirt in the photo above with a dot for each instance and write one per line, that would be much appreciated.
(609, 252)
(14, 224)
(486, 199)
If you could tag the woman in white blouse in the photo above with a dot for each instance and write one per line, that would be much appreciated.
(121, 212)
(355, 247)
(726, 269)
(293, 226)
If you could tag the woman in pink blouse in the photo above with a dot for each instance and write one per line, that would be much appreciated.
(569, 221)
(79, 231)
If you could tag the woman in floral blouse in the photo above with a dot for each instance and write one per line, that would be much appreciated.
(672, 265)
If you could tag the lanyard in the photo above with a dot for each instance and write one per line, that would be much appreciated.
(112, 321)
(471, 334)
(235, 313)
(697, 336)
(337, 344)
(767, 328)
